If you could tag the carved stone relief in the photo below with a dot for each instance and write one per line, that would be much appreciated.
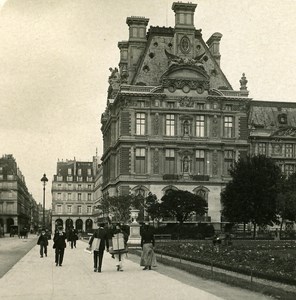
(156, 161)
(215, 126)
(215, 163)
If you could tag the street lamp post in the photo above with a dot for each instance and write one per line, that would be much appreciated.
(44, 180)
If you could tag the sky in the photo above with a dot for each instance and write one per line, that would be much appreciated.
(55, 57)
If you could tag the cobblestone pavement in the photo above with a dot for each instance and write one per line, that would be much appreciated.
(33, 278)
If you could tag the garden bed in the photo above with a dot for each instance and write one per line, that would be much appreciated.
(272, 260)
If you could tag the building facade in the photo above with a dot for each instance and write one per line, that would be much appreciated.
(17, 205)
(173, 121)
(73, 194)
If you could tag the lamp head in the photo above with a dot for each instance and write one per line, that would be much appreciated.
(44, 178)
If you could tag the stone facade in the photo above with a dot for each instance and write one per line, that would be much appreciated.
(172, 119)
(73, 190)
(17, 206)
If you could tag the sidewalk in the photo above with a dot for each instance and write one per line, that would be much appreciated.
(39, 278)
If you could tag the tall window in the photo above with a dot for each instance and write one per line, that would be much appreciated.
(89, 196)
(289, 169)
(141, 103)
(69, 171)
(79, 172)
(79, 196)
(79, 209)
(262, 148)
(200, 106)
(228, 127)
(59, 196)
(228, 160)
(170, 104)
(200, 126)
(140, 161)
(88, 172)
(289, 150)
(170, 125)
(69, 196)
(88, 209)
(200, 162)
(59, 208)
(170, 161)
(228, 107)
(140, 123)
(69, 209)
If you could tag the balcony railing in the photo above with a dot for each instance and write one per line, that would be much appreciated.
(200, 177)
(171, 177)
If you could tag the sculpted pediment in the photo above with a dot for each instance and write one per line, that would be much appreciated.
(185, 77)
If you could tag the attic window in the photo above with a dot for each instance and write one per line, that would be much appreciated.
(146, 69)
(205, 58)
(170, 45)
(155, 44)
(151, 54)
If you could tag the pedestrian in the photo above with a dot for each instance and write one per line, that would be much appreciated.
(119, 243)
(59, 245)
(98, 242)
(43, 242)
(148, 257)
(73, 237)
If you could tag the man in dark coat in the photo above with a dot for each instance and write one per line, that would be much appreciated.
(43, 242)
(73, 237)
(101, 234)
(59, 240)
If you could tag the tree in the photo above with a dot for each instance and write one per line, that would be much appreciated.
(286, 200)
(251, 194)
(182, 204)
(117, 206)
(152, 207)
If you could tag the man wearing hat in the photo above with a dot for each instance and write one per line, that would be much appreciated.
(59, 245)
(100, 237)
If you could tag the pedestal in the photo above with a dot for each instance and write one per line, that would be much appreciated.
(134, 237)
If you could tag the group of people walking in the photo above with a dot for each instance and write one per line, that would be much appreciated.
(119, 246)
(100, 241)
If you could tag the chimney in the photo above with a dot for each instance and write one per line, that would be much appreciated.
(137, 28)
(184, 14)
(214, 46)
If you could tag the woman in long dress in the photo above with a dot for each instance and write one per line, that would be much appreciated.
(148, 258)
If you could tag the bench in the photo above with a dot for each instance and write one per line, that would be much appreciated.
(163, 236)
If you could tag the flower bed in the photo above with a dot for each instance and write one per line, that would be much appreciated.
(273, 260)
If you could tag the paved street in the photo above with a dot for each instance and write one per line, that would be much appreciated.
(33, 277)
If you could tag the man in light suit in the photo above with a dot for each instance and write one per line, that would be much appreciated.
(100, 233)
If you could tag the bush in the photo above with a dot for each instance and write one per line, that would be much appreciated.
(187, 231)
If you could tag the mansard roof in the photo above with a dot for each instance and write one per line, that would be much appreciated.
(271, 118)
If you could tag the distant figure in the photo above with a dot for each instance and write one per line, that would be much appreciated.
(98, 242)
(12, 232)
(148, 257)
(59, 245)
(73, 237)
(119, 243)
(216, 243)
(43, 242)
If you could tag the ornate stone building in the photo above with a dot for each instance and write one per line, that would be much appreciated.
(73, 194)
(173, 121)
